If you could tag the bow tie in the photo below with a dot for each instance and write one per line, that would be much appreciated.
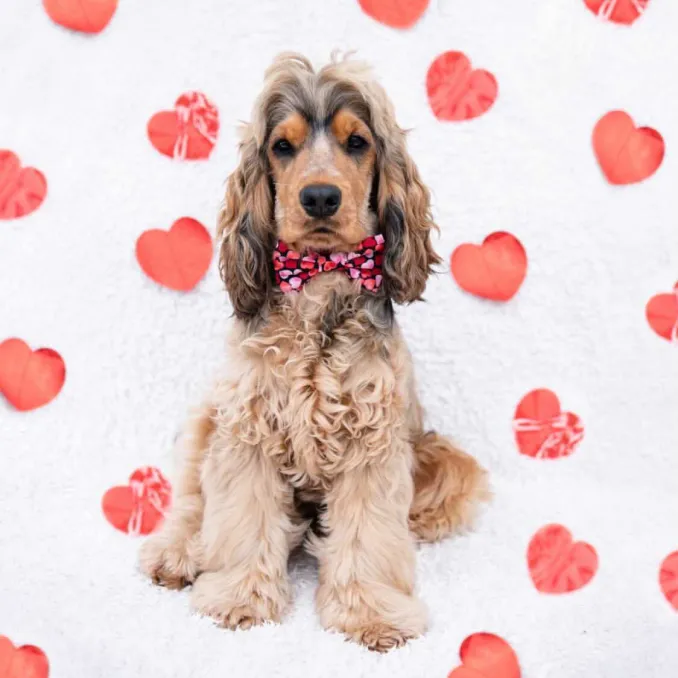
(293, 269)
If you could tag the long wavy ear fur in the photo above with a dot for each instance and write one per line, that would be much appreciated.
(245, 229)
(403, 206)
(246, 222)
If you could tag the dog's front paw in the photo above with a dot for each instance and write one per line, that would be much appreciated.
(386, 623)
(236, 604)
(170, 563)
(381, 637)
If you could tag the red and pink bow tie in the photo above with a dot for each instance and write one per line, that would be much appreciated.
(293, 270)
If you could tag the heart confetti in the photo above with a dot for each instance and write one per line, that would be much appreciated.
(627, 154)
(494, 270)
(27, 661)
(178, 258)
(22, 189)
(557, 564)
(668, 579)
(542, 430)
(618, 11)
(189, 132)
(86, 16)
(484, 655)
(139, 507)
(456, 91)
(395, 13)
(662, 314)
(29, 379)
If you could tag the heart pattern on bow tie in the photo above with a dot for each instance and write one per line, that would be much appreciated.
(294, 269)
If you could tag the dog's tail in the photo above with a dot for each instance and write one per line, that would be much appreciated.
(449, 486)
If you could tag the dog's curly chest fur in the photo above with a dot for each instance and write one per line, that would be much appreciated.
(319, 385)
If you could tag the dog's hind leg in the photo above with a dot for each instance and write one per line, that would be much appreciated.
(172, 557)
(449, 486)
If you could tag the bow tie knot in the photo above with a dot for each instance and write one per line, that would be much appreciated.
(294, 269)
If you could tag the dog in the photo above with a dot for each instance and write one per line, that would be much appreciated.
(315, 435)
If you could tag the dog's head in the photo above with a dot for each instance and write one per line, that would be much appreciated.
(323, 165)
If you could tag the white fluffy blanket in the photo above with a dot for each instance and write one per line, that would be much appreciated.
(76, 108)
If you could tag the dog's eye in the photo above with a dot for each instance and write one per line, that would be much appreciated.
(283, 147)
(356, 143)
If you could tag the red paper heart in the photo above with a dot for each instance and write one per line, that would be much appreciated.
(29, 379)
(484, 655)
(662, 314)
(138, 508)
(494, 270)
(22, 189)
(542, 430)
(395, 13)
(190, 131)
(27, 661)
(178, 258)
(618, 11)
(456, 91)
(557, 564)
(86, 16)
(627, 154)
(668, 579)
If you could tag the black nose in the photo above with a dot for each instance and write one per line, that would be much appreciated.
(320, 200)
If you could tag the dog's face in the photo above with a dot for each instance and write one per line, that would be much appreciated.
(322, 172)
(323, 165)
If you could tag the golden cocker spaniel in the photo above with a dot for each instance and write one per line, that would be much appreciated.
(316, 434)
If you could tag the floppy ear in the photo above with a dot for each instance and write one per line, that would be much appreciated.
(246, 232)
(404, 211)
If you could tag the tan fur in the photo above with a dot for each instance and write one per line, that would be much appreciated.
(448, 488)
(319, 400)
(294, 128)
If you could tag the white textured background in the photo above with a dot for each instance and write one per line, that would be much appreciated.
(138, 355)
